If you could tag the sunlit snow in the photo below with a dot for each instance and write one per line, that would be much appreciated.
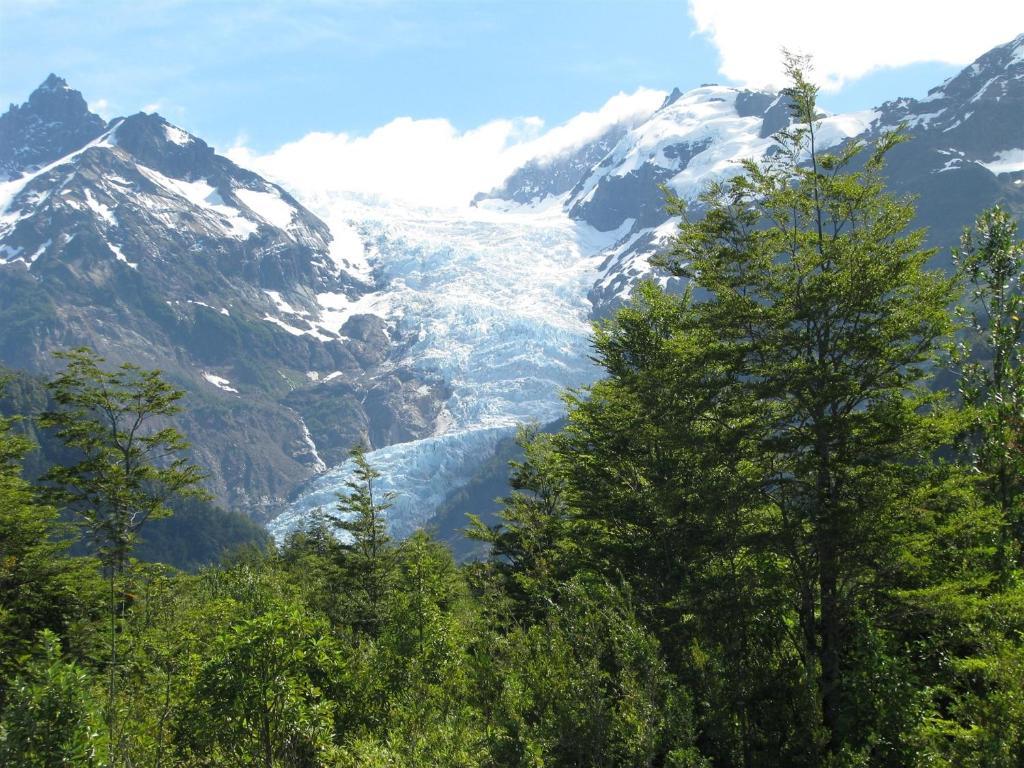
(1010, 161)
(268, 206)
(176, 135)
(495, 303)
(220, 382)
(9, 190)
(205, 197)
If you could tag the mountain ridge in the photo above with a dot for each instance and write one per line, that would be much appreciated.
(147, 245)
(975, 115)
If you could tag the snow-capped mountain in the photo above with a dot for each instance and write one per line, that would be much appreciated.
(136, 238)
(500, 280)
(967, 153)
(53, 123)
(694, 138)
(967, 147)
(428, 333)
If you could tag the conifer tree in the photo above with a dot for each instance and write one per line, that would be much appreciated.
(367, 559)
(834, 319)
(991, 365)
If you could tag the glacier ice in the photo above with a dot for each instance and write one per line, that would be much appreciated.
(492, 301)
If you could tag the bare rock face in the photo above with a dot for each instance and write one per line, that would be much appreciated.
(136, 238)
(54, 122)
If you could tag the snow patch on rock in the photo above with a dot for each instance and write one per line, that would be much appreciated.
(268, 206)
(1008, 161)
(220, 382)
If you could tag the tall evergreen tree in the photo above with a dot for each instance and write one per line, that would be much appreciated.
(825, 299)
(991, 365)
(367, 559)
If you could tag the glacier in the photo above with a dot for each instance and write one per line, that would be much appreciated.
(496, 298)
(493, 301)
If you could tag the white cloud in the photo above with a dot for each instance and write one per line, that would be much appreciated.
(430, 162)
(848, 41)
(101, 107)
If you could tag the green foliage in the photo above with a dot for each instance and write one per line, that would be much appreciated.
(586, 686)
(257, 696)
(992, 368)
(49, 719)
(130, 464)
(40, 586)
(366, 562)
(198, 533)
(830, 320)
(128, 468)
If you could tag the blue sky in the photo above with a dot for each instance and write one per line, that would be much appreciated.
(271, 72)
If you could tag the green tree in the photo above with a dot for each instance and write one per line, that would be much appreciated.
(747, 462)
(990, 362)
(814, 282)
(422, 664)
(586, 686)
(130, 463)
(49, 719)
(367, 560)
(258, 699)
(663, 490)
(41, 587)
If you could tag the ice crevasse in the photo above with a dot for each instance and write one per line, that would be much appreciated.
(495, 302)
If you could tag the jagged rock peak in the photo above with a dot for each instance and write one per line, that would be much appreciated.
(56, 101)
(53, 122)
(672, 98)
(53, 83)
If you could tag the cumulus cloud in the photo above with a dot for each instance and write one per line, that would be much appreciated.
(430, 162)
(848, 41)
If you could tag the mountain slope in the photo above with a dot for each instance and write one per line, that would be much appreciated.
(431, 333)
(145, 244)
(966, 154)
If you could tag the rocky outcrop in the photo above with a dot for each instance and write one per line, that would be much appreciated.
(137, 239)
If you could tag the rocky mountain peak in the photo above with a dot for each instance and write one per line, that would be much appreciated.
(974, 116)
(136, 238)
(51, 83)
(157, 144)
(672, 98)
(53, 122)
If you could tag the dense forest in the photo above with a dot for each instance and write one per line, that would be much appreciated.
(786, 528)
